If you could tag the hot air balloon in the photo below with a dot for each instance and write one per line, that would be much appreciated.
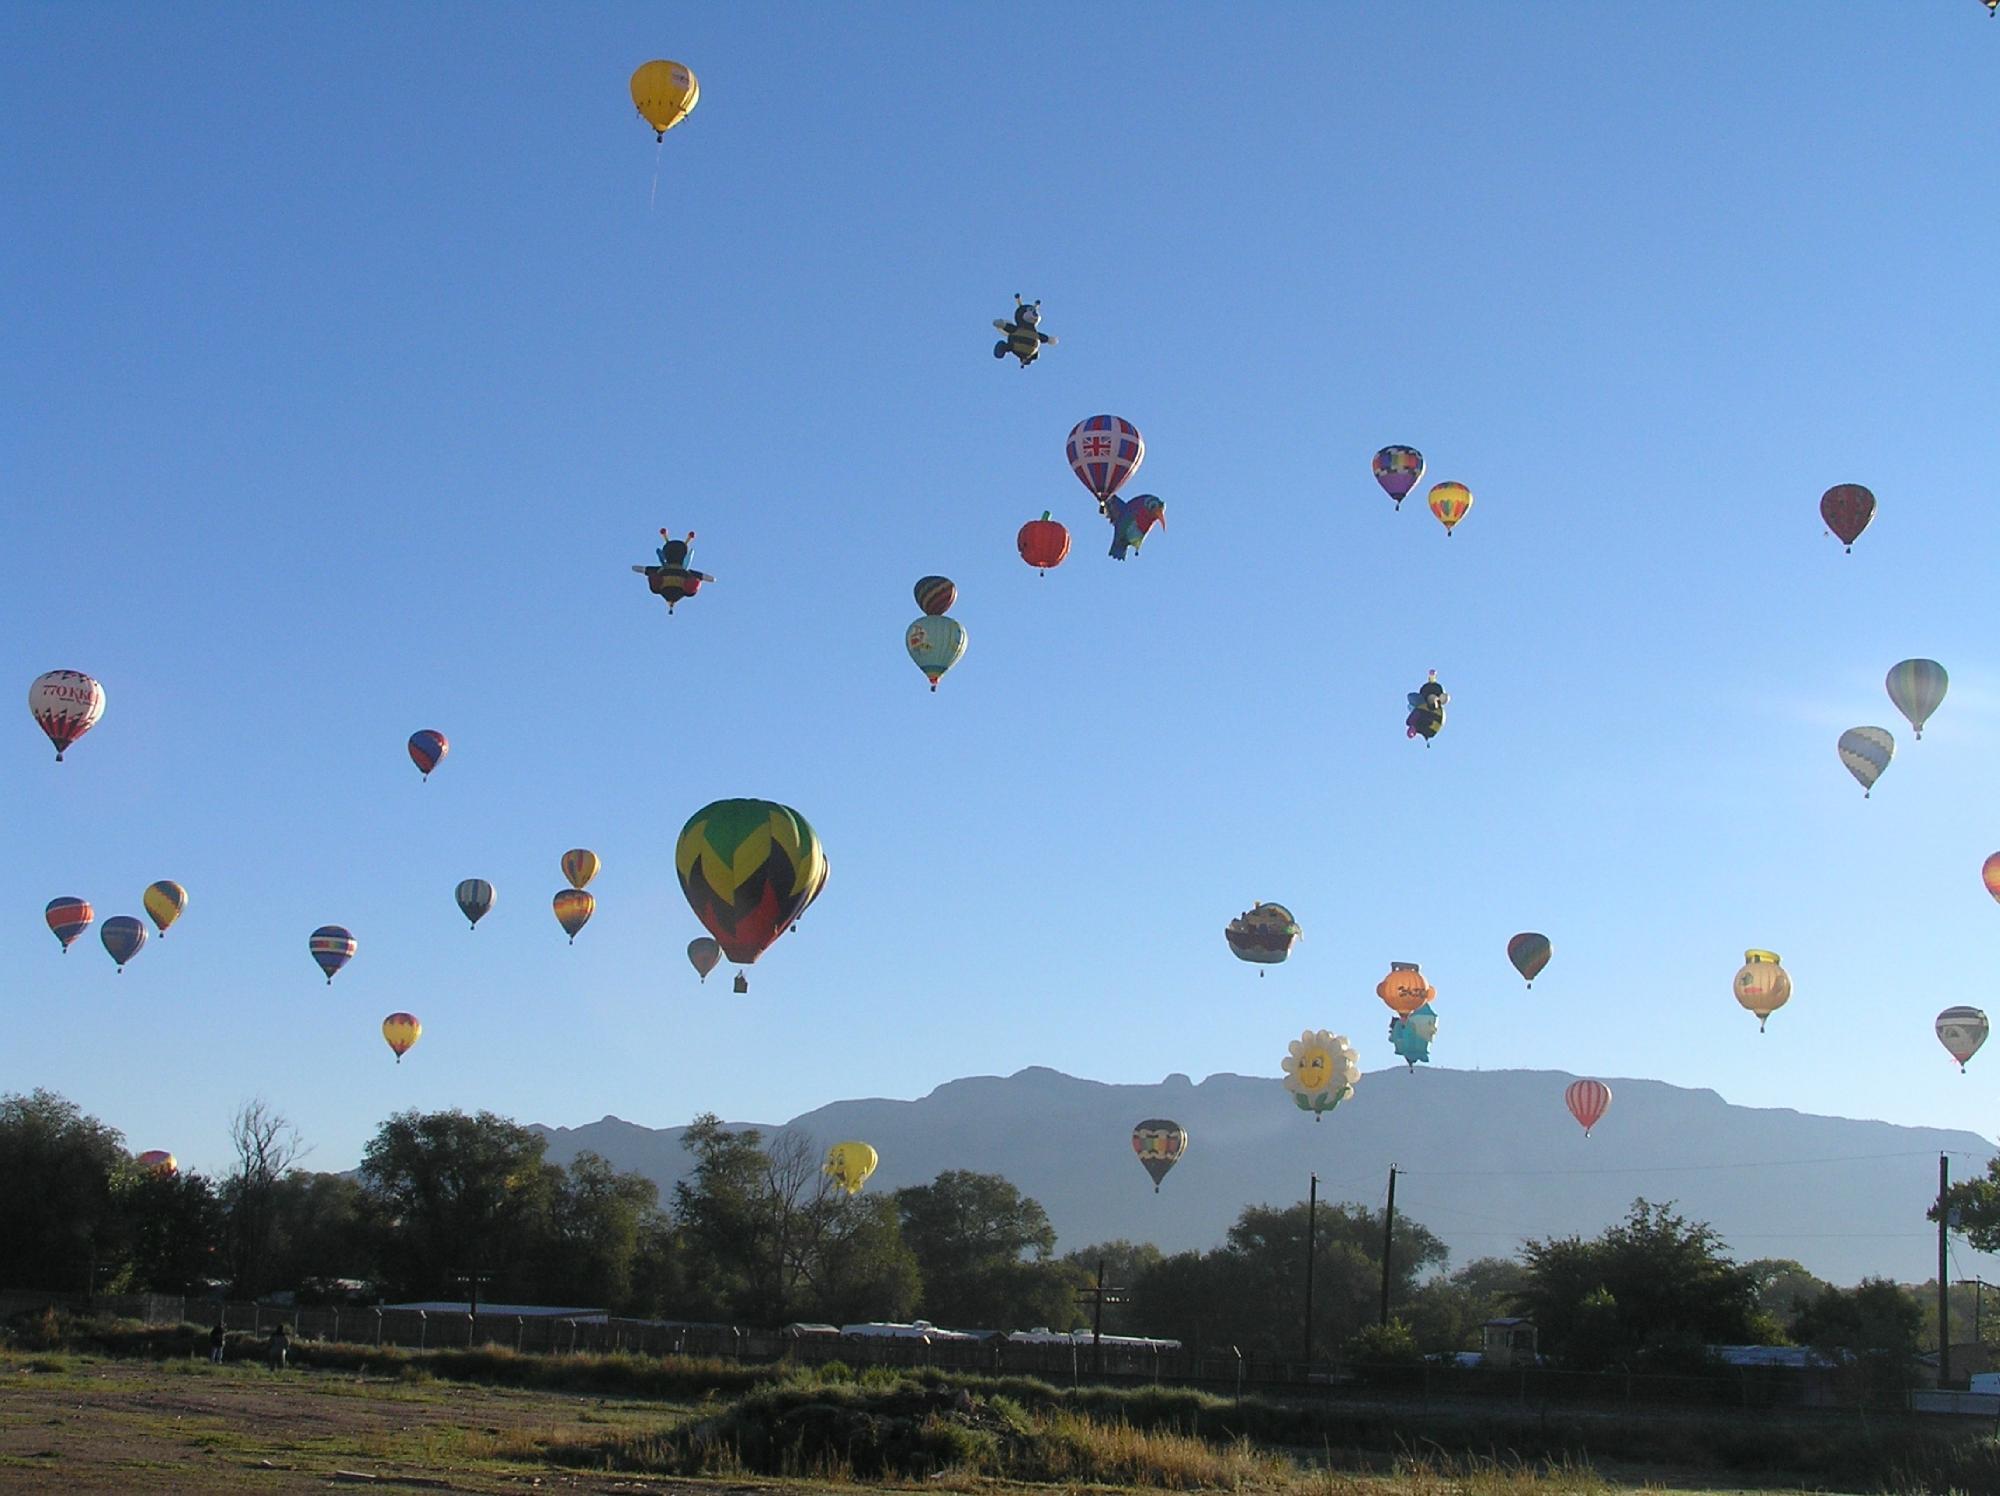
(1263, 933)
(332, 947)
(1398, 470)
(1103, 452)
(573, 910)
(402, 1030)
(664, 93)
(580, 865)
(1917, 687)
(475, 897)
(67, 704)
(849, 1165)
(1159, 1144)
(935, 644)
(1961, 1031)
(159, 1163)
(1427, 704)
(1762, 986)
(1866, 751)
(1023, 336)
(1320, 1071)
(1989, 874)
(748, 869)
(427, 749)
(1530, 953)
(1411, 1037)
(70, 917)
(1449, 502)
(935, 595)
(1404, 988)
(704, 954)
(124, 937)
(1043, 542)
(1847, 508)
(1588, 1101)
(165, 901)
(1131, 519)
(673, 580)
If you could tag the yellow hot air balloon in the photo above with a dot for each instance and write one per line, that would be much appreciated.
(664, 93)
(849, 1165)
(402, 1030)
(573, 910)
(164, 901)
(1762, 985)
(579, 865)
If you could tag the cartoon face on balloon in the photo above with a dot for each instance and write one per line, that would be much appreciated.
(1320, 1071)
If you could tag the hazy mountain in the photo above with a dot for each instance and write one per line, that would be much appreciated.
(1490, 1157)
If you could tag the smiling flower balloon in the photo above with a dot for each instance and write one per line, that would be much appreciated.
(1320, 1071)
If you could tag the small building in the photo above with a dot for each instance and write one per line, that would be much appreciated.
(1507, 1342)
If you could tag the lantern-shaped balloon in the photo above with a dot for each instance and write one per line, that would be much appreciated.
(124, 937)
(1411, 1037)
(164, 901)
(573, 910)
(159, 1163)
(579, 865)
(1762, 986)
(475, 897)
(1398, 469)
(1263, 934)
(69, 917)
(935, 595)
(704, 954)
(1320, 1071)
(67, 704)
(1847, 508)
(935, 645)
(849, 1165)
(1961, 1031)
(401, 1030)
(1588, 1101)
(1043, 542)
(332, 948)
(427, 749)
(1159, 1144)
(1103, 452)
(1530, 953)
(1404, 988)
(1449, 502)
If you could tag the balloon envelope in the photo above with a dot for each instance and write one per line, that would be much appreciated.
(1588, 1101)
(935, 595)
(1866, 751)
(1159, 1143)
(579, 865)
(1961, 1031)
(159, 1162)
(935, 645)
(1989, 874)
(1847, 508)
(664, 93)
(849, 1165)
(475, 897)
(748, 869)
(1449, 502)
(1103, 452)
(1529, 952)
(1404, 988)
(1263, 933)
(401, 1030)
(164, 901)
(70, 917)
(1762, 985)
(123, 937)
(427, 749)
(1411, 1037)
(67, 704)
(1398, 469)
(332, 947)
(704, 954)
(573, 910)
(1320, 1071)
(1917, 687)
(1043, 542)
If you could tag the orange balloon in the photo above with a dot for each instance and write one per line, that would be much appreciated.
(1404, 988)
(1991, 873)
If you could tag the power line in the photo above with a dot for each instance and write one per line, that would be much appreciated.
(1748, 1163)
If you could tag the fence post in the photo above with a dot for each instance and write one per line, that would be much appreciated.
(572, 1337)
(520, 1328)
(423, 1329)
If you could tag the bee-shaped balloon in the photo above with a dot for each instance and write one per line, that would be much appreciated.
(1427, 704)
(1023, 336)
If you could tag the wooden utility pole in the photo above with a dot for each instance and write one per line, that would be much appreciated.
(1388, 1241)
(1944, 1282)
(1312, 1223)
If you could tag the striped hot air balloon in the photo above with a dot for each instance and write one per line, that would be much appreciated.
(70, 917)
(332, 947)
(574, 908)
(1103, 452)
(165, 901)
(1917, 688)
(935, 595)
(1588, 1101)
(579, 865)
(1530, 953)
(427, 749)
(402, 1030)
(475, 897)
(124, 937)
(1866, 751)
(748, 868)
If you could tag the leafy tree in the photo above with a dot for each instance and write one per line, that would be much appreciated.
(63, 1218)
(267, 1145)
(1973, 1207)
(322, 1230)
(1447, 1314)
(598, 1218)
(1782, 1285)
(175, 1226)
(984, 1252)
(1870, 1331)
(1124, 1264)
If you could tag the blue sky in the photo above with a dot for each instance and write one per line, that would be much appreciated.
(348, 369)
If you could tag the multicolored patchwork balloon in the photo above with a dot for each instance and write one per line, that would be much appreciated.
(1398, 469)
(748, 868)
(70, 917)
(1449, 502)
(332, 947)
(1159, 1142)
(1103, 452)
(67, 704)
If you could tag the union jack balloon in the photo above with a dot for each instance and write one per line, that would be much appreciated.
(1103, 452)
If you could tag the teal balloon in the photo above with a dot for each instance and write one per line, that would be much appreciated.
(935, 643)
(1411, 1037)
(1917, 687)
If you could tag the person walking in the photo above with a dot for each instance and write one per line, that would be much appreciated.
(216, 1339)
(279, 1345)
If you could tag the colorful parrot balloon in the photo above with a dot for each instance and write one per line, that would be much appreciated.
(401, 1030)
(1263, 934)
(1866, 751)
(124, 937)
(849, 1165)
(475, 897)
(1847, 508)
(1762, 985)
(1961, 1031)
(935, 645)
(579, 866)
(1404, 988)
(1530, 953)
(1398, 470)
(1131, 519)
(69, 917)
(1159, 1144)
(159, 1163)
(332, 947)
(1103, 452)
(1588, 1101)
(1917, 688)
(573, 910)
(704, 954)
(664, 93)
(1411, 1037)
(165, 901)
(935, 595)
(66, 704)
(1450, 502)
(427, 749)
(748, 868)
(1320, 1071)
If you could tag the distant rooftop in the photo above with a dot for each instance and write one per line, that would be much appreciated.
(519, 1311)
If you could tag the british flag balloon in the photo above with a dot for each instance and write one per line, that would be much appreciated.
(1103, 452)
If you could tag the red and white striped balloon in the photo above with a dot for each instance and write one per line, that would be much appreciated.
(1588, 1101)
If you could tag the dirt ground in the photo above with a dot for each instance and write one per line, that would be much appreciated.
(126, 1426)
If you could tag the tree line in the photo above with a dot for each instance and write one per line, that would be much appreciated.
(449, 1205)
